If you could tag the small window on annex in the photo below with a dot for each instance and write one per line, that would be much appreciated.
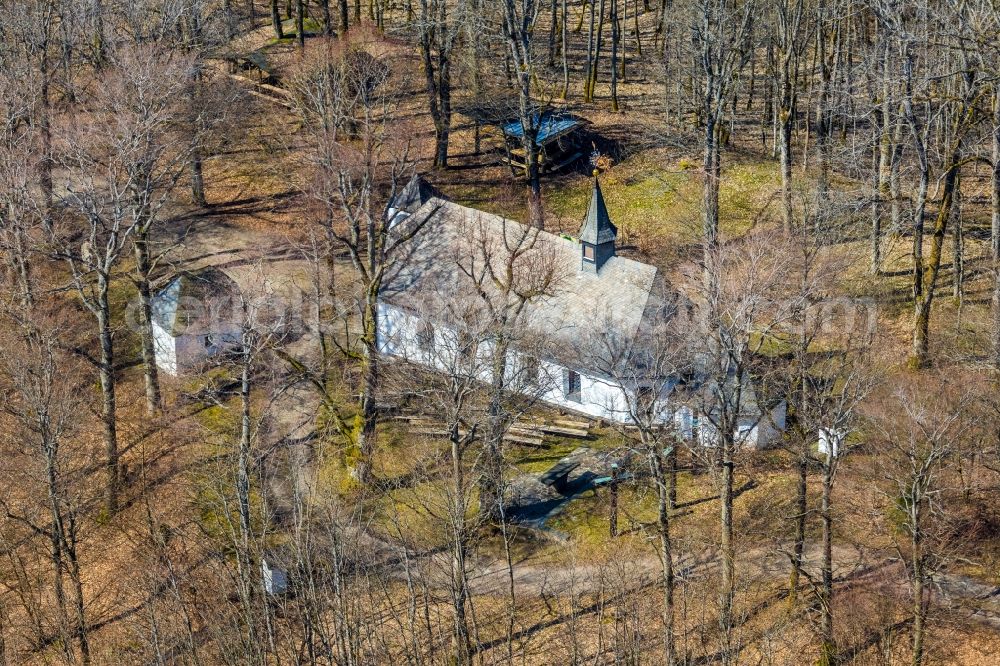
(571, 386)
(588, 252)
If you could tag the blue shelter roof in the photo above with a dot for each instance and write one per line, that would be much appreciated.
(550, 126)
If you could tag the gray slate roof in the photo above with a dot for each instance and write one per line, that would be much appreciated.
(414, 194)
(581, 303)
(192, 301)
(597, 226)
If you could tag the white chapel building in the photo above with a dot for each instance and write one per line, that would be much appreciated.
(596, 292)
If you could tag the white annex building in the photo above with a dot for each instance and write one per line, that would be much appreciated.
(595, 293)
(193, 320)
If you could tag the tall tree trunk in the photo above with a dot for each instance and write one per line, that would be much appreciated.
(246, 563)
(828, 649)
(710, 187)
(664, 489)
(918, 574)
(613, 503)
(228, 20)
(150, 371)
(785, 119)
(958, 245)
(788, 71)
(82, 633)
(823, 128)
(197, 177)
(327, 25)
(672, 478)
(728, 548)
(995, 227)
(67, 51)
(615, 38)
(623, 32)
(434, 37)
(343, 18)
(57, 540)
(922, 314)
(276, 20)
(598, 42)
(109, 407)
(995, 305)
(197, 172)
(995, 190)
(801, 511)
(491, 481)
(917, 134)
(565, 56)
(367, 419)
(767, 116)
(243, 454)
(45, 131)
(300, 23)
(587, 97)
(885, 155)
(895, 184)
(638, 33)
(518, 33)
(22, 266)
(462, 643)
(553, 28)
(100, 43)
(663, 31)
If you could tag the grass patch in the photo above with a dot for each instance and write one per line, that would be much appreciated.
(212, 380)
(421, 511)
(310, 27)
(654, 201)
(219, 420)
(585, 518)
(537, 461)
(647, 204)
(218, 509)
(747, 188)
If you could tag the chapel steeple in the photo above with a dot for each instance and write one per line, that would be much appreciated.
(598, 233)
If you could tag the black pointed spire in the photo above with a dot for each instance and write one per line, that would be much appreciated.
(598, 234)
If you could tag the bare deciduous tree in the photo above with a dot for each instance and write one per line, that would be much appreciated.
(360, 159)
(650, 371)
(917, 438)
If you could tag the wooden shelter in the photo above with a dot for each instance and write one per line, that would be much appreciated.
(255, 63)
(559, 142)
(260, 77)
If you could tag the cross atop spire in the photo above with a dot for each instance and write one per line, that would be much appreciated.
(598, 233)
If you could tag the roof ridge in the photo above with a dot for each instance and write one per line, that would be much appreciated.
(436, 201)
